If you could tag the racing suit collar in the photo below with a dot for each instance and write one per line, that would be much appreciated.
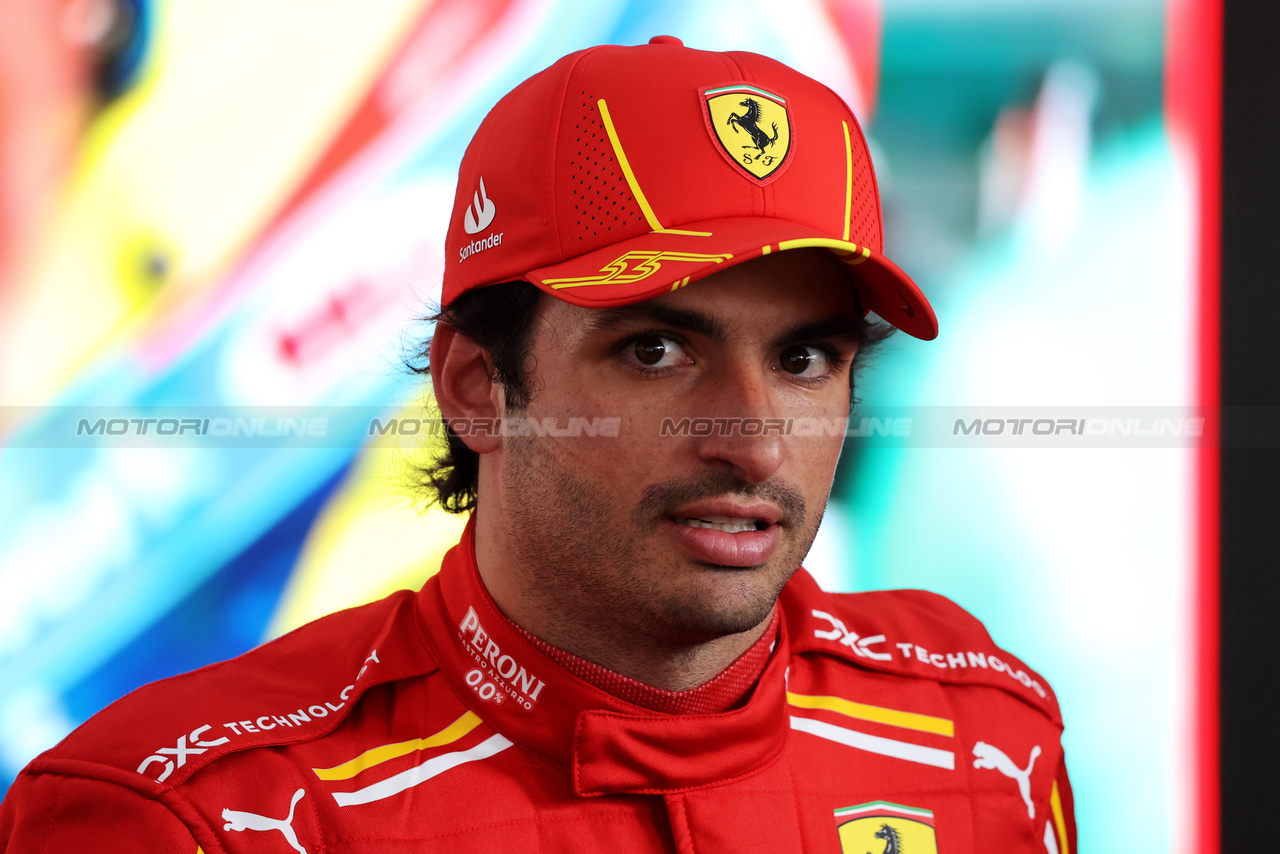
(607, 744)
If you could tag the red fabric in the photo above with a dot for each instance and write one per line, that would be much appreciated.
(69, 813)
(425, 722)
(543, 195)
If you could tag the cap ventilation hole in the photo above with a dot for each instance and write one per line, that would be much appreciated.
(596, 183)
(863, 226)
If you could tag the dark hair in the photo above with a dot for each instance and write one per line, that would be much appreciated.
(500, 319)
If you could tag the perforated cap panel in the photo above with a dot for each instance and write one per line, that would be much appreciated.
(864, 208)
(602, 204)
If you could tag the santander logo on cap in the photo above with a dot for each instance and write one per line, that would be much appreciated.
(479, 216)
(480, 212)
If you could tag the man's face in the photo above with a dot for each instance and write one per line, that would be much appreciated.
(681, 539)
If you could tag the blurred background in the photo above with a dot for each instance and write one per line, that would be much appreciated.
(237, 209)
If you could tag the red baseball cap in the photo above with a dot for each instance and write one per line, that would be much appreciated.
(622, 173)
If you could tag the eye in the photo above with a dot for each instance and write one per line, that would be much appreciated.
(656, 351)
(803, 360)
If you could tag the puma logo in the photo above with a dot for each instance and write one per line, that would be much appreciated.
(990, 756)
(236, 820)
(480, 213)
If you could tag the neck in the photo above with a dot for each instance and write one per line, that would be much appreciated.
(655, 657)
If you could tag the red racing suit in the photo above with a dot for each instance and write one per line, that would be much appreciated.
(427, 722)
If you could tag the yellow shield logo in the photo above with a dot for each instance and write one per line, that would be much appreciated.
(751, 126)
(884, 828)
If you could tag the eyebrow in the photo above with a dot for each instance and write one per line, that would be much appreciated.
(679, 318)
(841, 327)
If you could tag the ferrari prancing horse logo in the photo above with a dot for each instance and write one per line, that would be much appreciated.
(884, 828)
(752, 127)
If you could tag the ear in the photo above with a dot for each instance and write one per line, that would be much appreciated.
(463, 389)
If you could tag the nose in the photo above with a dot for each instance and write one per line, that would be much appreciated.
(746, 434)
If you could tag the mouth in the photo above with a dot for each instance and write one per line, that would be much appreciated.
(728, 524)
(726, 535)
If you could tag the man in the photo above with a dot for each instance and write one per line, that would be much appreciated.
(658, 272)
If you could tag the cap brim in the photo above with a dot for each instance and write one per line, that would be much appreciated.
(659, 262)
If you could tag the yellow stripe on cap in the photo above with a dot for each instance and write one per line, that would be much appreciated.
(378, 755)
(851, 253)
(848, 179)
(634, 266)
(682, 231)
(649, 215)
(876, 714)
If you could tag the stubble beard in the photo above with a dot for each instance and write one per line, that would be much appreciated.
(593, 563)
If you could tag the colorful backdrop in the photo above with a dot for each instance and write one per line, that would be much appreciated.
(247, 228)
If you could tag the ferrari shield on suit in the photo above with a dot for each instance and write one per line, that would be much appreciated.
(884, 828)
